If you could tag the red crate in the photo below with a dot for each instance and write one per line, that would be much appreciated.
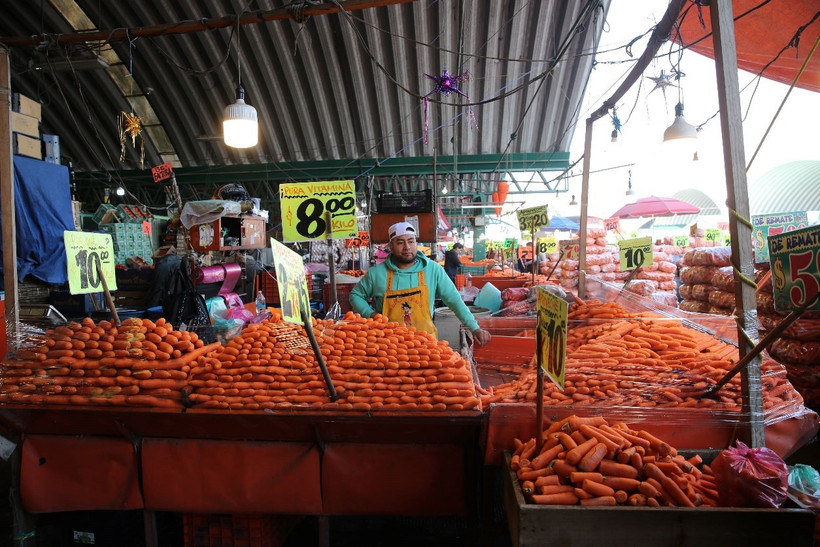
(342, 295)
(237, 530)
(270, 288)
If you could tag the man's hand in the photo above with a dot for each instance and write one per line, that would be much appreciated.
(481, 337)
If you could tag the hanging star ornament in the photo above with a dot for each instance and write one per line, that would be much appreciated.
(662, 81)
(446, 84)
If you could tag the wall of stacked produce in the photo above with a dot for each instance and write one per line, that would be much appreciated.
(799, 346)
(634, 362)
(374, 364)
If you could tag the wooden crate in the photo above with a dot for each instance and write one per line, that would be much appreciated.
(699, 527)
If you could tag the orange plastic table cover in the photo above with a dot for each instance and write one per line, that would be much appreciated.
(68, 473)
(210, 476)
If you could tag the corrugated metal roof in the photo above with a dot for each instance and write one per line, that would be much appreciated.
(793, 186)
(334, 87)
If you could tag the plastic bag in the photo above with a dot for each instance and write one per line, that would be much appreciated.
(804, 486)
(750, 477)
(515, 293)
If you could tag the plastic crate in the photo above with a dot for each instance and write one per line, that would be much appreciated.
(212, 530)
(270, 288)
(474, 270)
(342, 296)
(405, 202)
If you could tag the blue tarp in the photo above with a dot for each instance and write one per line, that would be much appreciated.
(43, 213)
(562, 223)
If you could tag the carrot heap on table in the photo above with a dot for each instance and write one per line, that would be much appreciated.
(638, 360)
(139, 363)
(374, 364)
(587, 461)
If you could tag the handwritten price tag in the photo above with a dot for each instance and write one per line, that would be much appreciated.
(551, 336)
(303, 206)
(162, 172)
(533, 216)
(85, 251)
(635, 252)
(612, 224)
(547, 245)
(571, 248)
(712, 234)
(363, 240)
(681, 241)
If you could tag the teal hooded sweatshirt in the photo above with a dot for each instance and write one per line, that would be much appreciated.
(374, 284)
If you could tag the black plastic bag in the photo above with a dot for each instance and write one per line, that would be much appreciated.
(183, 305)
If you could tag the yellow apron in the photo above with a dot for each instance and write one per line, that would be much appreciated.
(409, 307)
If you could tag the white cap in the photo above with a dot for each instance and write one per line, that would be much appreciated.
(401, 229)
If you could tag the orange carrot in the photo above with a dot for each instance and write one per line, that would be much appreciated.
(563, 468)
(600, 501)
(596, 488)
(575, 455)
(621, 483)
(615, 469)
(594, 457)
(564, 498)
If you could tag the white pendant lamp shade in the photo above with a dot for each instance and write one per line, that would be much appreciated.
(680, 128)
(239, 123)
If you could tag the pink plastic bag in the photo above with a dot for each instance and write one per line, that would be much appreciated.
(750, 477)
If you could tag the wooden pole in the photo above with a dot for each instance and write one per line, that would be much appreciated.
(7, 198)
(108, 298)
(734, 160)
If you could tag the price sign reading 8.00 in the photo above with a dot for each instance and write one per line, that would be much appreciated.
(795, 265)
(547, 245)
(88, 254)
(305, 206)
(635, 252)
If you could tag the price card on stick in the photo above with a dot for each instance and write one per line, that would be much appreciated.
(795, 265)
(532, 217)
(547, 245)
(612, 224)
(551, 336)
(681, 241)
(304, 207)
(86, 252)
(713, 234)
(362, 240)
(290, 279)
(635, 252)
(570, 248)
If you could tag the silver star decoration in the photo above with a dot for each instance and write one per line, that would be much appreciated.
(662, 81)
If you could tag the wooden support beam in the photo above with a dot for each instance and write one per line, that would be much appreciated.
(7, 197)
(734, 160)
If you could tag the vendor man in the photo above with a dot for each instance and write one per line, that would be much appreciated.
(404, 287)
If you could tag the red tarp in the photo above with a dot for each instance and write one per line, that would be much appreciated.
(761, 35)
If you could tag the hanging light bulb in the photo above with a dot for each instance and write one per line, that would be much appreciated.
(614, 135)
(120, 191)
(239, 123)
(573, 202)
(630, 191)
(364, 204)
(680, 128)
(443, 189)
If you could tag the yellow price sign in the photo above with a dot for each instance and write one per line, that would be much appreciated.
(88, 254)
(547, 245)
(635, 252)
(681, 241)
(551, 336)
(291, 282)
(304, 206)
(533, 216)
(727, 239)
(713, 234)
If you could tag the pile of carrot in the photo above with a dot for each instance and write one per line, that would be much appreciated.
(618, 358)
(138, 363)
(375, 364)
(587, 461)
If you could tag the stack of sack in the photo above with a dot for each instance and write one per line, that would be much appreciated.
(707, 281)
(798, 348)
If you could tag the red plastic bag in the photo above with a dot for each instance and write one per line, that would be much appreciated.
(750, 477)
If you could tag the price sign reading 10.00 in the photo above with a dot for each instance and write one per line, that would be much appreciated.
(87, 254)
(304, 206)
(795, 265)
(635, 252)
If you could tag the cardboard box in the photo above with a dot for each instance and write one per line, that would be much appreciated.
(22, 104)
(26, 125)
(27, 146)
